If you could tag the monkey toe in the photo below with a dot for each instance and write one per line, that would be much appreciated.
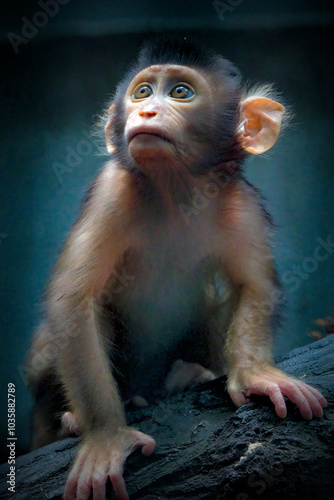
(69, 425)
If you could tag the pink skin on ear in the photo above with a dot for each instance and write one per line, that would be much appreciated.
(262, 124)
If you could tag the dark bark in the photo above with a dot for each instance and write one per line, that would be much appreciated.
(206, 449)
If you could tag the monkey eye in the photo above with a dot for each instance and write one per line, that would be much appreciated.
(181, 91)
(142, 91)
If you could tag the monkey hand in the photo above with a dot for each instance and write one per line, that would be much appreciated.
(101, 456)
(272, 382)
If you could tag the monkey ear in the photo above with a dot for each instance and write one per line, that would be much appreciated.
(108, 130)
(261, 127)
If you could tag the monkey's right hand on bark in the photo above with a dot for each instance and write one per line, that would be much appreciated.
(103, 455)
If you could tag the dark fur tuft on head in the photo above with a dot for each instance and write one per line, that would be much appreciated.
(177, 50)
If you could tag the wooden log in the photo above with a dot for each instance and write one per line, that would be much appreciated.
(208, 449)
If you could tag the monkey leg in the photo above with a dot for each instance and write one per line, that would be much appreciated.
(184, 374)
(43, 430)
(51, 420)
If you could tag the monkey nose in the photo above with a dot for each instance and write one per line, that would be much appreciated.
(148, 114)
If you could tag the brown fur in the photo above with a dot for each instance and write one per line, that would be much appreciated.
(166, 262)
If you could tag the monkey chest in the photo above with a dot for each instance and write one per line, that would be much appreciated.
(159, 295)
(162, 312)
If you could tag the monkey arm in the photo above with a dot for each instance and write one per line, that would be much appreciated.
(93, 397)
(93, 249)
(84, 367)
(250, 364)
(73, 305)
(90, 256)
(247, 350)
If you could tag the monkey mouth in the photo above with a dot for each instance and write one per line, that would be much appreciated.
(148, 131)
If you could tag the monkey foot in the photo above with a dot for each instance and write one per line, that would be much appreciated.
(137, 400)
(69, 426)
(183, 374)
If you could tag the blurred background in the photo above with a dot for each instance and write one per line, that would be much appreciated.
(61, 60)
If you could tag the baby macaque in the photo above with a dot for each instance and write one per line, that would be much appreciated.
(167, 278)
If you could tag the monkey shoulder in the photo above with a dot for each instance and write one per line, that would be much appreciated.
(104, 184)
(242, 204)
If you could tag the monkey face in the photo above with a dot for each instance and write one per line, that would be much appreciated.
(181, 117)
(165, 105)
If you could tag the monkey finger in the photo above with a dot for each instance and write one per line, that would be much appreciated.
(83, 486)
(312, 400)
(276, 397)
(72, 483)
(118, 483)
(322, 400)
(140, 439)
(100, 475)
(148, 448)
(99, 486)
(70, 489)
(292, 391)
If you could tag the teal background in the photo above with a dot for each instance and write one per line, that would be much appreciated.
(51, 92)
